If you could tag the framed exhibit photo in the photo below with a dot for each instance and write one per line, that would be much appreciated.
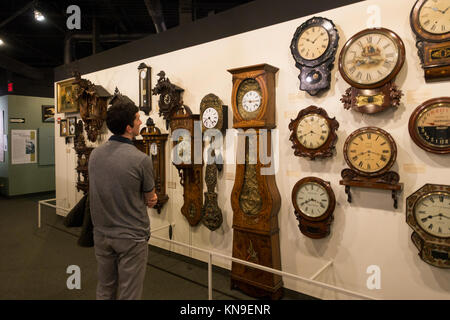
(63, 128)
(48, 113)
(71, 122)
(66, 97)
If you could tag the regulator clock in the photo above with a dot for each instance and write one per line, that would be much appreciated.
(428, 214)
(430, 21)
(255, 199)
(370, 152)
(145, 85)
(314, 204)
(429, 125)
(369, 62)
(314, 47)
(187, 158)
(154, 146)
(313, 133)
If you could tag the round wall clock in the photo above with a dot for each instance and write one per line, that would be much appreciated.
(313, 133)
(213, 114)
(429, 125)
(314, 204)
(369, 62)
(430, 21)
(428, 214)
(248, 99)
(313, 47)
(370, 151)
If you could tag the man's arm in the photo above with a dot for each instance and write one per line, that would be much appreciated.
(150, 198)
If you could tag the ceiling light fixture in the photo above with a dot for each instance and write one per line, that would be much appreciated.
(1, 42)
(38, 15)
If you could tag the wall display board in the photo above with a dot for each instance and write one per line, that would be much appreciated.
(23, 146)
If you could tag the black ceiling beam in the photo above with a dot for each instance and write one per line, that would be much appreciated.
(115, 14)
(18, 67)
(18, 13)
(155, 11)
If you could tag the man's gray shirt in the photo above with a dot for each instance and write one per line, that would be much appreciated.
(119, 174)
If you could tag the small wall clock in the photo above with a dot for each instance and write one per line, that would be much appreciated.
(313, 133)
(429, 125)
(145, 88)
(370, 152)
(428, 214)
(314, 204)
(213, 114)
(430, 21)
(369, 62)
(314, 47)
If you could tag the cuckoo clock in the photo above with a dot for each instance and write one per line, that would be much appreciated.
(169, 97)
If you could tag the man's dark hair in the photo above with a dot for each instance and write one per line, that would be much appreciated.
(119, 115)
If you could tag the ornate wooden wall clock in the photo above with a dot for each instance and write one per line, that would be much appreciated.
(313, 47)
(83, 152)
(428, 214)
(154, 145)
(313, 133)
(213, 115)
(369, 62)
(314, 204)
(255, 199)
(430, 21)
(190, 172)
(145, 87)
(169, 97)
(429, 125)
(370, 152)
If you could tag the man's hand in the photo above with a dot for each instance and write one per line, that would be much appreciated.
(151, 198)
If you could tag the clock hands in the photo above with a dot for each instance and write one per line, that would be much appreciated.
(436, 215)
(445, 10)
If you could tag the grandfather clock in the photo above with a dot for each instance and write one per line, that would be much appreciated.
(255, 198)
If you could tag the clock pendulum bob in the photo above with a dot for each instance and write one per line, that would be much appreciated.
(211, 213)
(192, 182)
(255, 202)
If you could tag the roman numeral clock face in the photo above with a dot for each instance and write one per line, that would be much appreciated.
(434, 16)
(370, 58)
(210, 118)
(312, 199)
(432, 213)
(312, 131)
(313, 43)
(369, 151)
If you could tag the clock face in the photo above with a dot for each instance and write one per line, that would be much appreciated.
(184, 150)
(434, 16)
(154, 149)
(167, 98)
(369, 151)
(432, 213)
(143, 74)
(312, 131)
(370, 58)
(433, 125)
(210, 118)
(249, 98)
(313, 42)
(312, 199)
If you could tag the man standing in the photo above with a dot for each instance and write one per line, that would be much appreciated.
(121, 187)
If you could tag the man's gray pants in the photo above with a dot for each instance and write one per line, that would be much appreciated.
(121, 267)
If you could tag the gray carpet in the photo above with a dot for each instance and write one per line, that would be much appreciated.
(33, 262)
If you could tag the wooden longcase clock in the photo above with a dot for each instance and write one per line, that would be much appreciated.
(154, 146)
(370, 152)
(188, 161)
(255, 199)
(369, 62)
(430, 21)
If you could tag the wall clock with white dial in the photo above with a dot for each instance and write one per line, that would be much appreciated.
(213, 114)
(145, 88)
(313, 133)
(314, 203)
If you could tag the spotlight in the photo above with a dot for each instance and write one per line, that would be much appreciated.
(1, 42)
(38, 15)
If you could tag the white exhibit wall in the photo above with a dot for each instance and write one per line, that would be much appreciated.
(367, 232)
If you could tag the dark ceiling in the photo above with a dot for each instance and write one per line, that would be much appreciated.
(31, 46)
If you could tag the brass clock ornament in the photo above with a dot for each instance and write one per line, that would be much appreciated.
(370, 152)
(430, 21)
(255, 199)
(145, 88)
(154, 145)
(314, 47)
(429, 125)
(428, 214)
(314, 203)
(369, 62)
(313, 133)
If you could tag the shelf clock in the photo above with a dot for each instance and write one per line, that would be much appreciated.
(154, 145)
(255, 199)
(430, 21)
(370, 152)
(429, 125)
(190, 169)
(428, 214)
(313, 133)
(314, 47)
(314, 204)
(369, 62)
(145, 85)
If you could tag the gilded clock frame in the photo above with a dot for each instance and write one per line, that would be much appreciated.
(213, 101)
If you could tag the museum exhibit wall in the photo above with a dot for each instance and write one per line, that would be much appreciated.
(4, 162)
(31, 177)
(369, 231)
